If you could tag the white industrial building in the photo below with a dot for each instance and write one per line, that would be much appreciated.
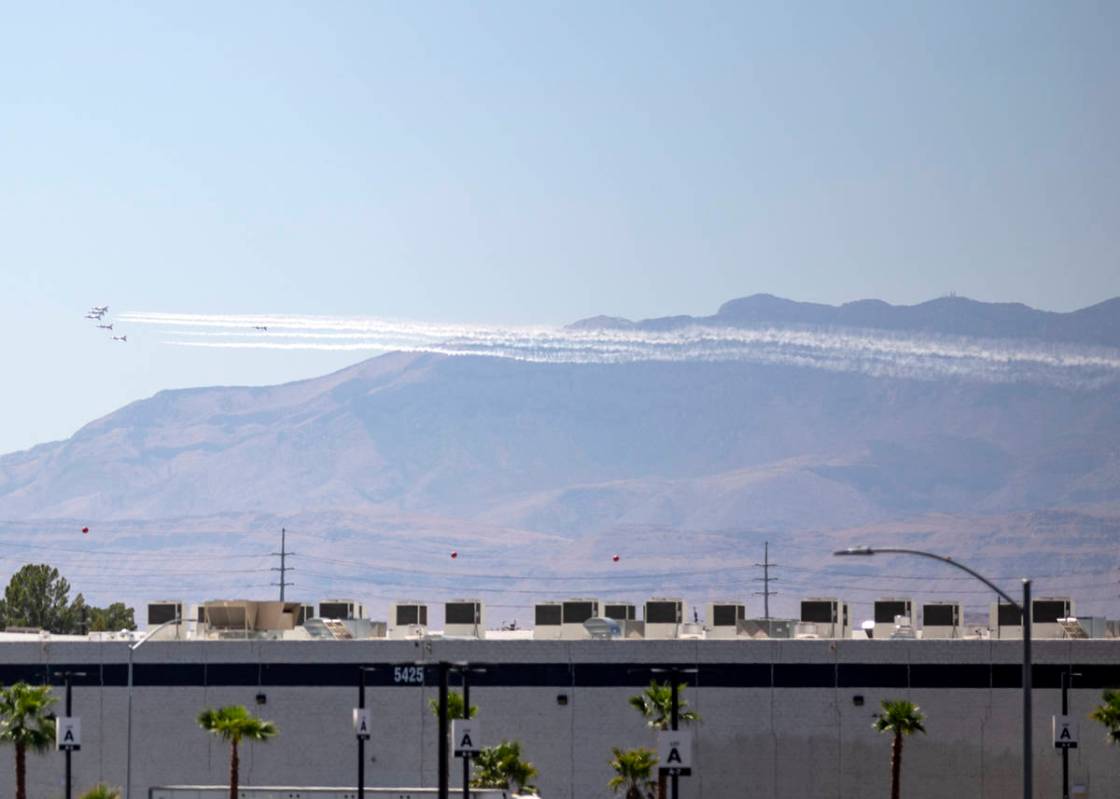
(786, 705)
(780, 717)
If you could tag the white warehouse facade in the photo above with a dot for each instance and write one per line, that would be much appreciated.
(779, 717)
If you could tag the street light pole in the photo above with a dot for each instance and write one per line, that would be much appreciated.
(675, 676)
(1025, 614)
(362, 671)
(466, 669)
(69, 712)
(444, 668)
(674, 715)
(1067, 678)
(1028, 686)
(67, 675)
(128, 734)
(466, 715)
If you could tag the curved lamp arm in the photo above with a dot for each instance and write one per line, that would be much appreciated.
(943, 559)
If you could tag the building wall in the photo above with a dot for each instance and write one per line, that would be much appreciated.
(778, 717)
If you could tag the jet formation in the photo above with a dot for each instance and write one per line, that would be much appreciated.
(97, 313)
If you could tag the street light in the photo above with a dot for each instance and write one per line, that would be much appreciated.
(1067, 678)
(67, 675)
(362, 672)
(675, 673)
(466, 670)
(128, 735)
(1024, 611)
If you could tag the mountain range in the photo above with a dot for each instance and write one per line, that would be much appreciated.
(401, 457)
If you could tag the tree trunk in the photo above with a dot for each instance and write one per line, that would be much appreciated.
(21, 772)
(234, 763)
(662, 790)
(896, 765)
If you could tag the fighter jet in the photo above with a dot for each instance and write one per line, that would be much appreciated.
(106, 327)
(120, 338)
(97, 311)
(261, 327)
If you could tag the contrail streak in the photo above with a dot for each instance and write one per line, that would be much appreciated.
(871, 352)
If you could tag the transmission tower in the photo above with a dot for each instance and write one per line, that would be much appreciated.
(283, 568)
(766, 579)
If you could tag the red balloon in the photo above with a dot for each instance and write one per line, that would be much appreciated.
(454, 554)
(614, 558)
(85, 529)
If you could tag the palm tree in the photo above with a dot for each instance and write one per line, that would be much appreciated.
(25, 723)
(454, 706)
(501, 766)
(231, 724)
(655, 704)
(102, 791)
(632, 772)
(1108, 714)
(899, 717)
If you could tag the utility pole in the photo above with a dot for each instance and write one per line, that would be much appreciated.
(766, 579)
(284, 568)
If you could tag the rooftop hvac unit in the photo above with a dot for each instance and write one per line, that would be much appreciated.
(620, 611)
(724, 619)
(574, 612)
(1005, 621)
(1045, 613)
(463, 618)
(247, 617)
(306, 611)
(341, 609)
(408, 619)
(886, 615)
(663, 617)
(828, 617)
(166, 611)
(162, 611)
(941, 620)
(548, 618)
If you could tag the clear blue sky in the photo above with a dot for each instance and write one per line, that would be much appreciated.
(529, 162)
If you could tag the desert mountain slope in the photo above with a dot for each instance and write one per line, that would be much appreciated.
(572, 448)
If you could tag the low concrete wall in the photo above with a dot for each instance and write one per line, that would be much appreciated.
(780, 718)
(296, 792)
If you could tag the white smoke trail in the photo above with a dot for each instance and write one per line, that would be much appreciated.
(869, 352)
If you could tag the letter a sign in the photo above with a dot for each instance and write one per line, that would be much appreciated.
(467, 736)
(361, 723)
(1065, 732)
(68, 733)
(674, 752)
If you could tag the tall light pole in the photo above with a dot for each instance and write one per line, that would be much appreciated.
(1025, 614)
(67, 675)
(128, 735)
(362, 672)
(675, 674)
(466, 669)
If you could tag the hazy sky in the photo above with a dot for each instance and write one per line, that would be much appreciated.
(523, 162)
